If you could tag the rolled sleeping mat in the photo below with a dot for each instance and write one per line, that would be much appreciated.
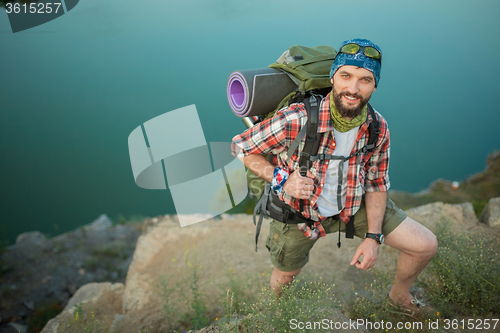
(254, 92)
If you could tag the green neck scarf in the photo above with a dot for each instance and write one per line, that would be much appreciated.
(343, 125)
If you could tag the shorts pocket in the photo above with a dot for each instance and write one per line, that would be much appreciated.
(276, 242)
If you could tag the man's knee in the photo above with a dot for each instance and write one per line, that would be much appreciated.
(413, 238)
(428, 244)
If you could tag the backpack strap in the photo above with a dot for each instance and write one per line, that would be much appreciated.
(312, 138)
(311, 145)
(261, 208)
(373, 130)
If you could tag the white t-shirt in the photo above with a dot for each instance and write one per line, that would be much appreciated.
(327, 201)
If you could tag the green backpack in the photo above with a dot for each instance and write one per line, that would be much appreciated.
(309, 68)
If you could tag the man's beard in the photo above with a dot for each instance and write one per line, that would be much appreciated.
(349, 112)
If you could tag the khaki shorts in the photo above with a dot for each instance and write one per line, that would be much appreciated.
(289, 247)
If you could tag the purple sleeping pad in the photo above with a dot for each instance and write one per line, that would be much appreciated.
(254, 92)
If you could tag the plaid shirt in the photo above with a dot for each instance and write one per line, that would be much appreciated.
(367, 172)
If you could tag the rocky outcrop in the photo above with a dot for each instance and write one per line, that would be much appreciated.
(491, 213)
(459, 216)
(39, 272)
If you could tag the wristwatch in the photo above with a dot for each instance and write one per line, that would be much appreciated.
(378, 237)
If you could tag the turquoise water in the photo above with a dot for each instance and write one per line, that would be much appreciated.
(73, 89)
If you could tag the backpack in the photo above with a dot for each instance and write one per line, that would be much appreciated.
(309, 69)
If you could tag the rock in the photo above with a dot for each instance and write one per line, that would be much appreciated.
(52, 326)
(102, 223)
(139, 289)
(116, 321)
(103, 299)
(493, 160)
(16, 328)
(461, 216)
(29, 239)
(491, 213)
(91, 292)
(29, 305)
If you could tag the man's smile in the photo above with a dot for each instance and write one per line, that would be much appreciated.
(351, 99)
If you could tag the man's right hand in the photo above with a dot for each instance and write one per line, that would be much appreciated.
(299, 187)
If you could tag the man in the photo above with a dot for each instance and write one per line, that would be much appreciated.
(335, 191)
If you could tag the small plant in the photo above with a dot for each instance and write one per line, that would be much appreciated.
(84, 320)
(91, 262)
(464, 276)
(184, 301)
(112, 251)
(244, 288)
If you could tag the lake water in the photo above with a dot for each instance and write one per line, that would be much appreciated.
(73, 89)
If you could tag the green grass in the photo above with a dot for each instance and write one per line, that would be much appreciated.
(184, 303)
(84, 320)
(300, 302)
(464, 277)
(117, 250)
(461, 281)
(192, 299)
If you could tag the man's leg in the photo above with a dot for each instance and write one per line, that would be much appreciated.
(417, 245)
(289, 250)
(280, 278)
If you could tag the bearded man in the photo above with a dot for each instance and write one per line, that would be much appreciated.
(338, 191)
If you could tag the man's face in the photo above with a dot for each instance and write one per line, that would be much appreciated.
(352, 89)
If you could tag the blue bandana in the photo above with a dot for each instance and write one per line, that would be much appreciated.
(358, 59)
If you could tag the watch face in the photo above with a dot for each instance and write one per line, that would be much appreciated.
(378, 237)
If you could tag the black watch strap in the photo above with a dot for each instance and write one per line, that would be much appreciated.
(378, 237)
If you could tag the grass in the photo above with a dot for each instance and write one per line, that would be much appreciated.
(464, 277)
(370, 306)
(118, 250)
(300, 302)
(84, 320)
(192, 299)
(184, 303)
(461, 281)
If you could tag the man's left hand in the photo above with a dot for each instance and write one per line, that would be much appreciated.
(369, 250)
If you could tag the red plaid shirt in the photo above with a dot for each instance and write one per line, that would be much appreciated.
(367, 171)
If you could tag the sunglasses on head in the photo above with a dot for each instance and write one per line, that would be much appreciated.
(368, 51)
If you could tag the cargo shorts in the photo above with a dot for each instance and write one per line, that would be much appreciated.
(289, 248)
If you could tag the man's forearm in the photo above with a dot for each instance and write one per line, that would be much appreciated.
(259, 165)
(375, 210)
